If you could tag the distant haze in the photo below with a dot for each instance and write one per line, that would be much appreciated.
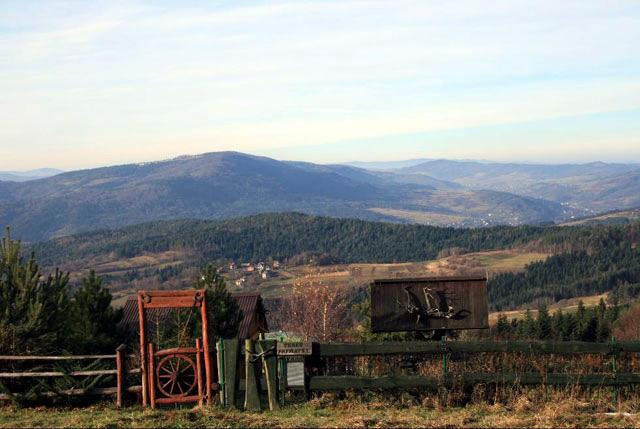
(88, 84)
(222, 185)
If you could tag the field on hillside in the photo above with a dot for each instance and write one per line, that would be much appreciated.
(140, 272)
(357, 275)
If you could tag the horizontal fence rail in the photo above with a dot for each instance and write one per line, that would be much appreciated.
(528, 347)
(120, 372)
(69, 357)
(347, 382)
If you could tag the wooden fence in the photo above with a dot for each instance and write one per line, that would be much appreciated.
(273, 374)
(120, 371)
(446, 379)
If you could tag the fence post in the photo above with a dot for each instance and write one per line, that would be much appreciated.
(199, 372)
(614, 367)
(221, 373)
(445, 370)
(151, 376)
(282, 379)
(269, 364)
(120, 376)
(251, 396)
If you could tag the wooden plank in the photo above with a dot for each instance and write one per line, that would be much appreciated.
(231, 349)
(172, 302)
(97, 391)
(388, 382)
(251, 397)
(419, 347)
(178, 399)
(176, 350)
(269, 362)
(405, 382)
(628, 346)
(554, 379)
(192, 293)
(530, 347)
(70, 357)
(57, 373)
(384, 348)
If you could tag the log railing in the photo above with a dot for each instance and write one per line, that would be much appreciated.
(120, 371)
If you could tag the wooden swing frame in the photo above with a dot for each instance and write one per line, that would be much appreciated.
(173, 299)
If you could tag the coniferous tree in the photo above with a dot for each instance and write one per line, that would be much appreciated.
(503, 328)
(543, 324)
(557, 325)
(95, 322)
(33, 312)
(223, 312)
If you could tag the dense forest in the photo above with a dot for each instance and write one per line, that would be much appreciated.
(285, 235)
(608, 261)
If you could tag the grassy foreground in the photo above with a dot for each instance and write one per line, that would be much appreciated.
(321, 413)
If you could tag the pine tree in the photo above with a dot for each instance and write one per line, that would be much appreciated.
(223, 312)
(557, 325)
(33, 312)
(543, 324)
(95, 321)
(502, 328)
(528, 330)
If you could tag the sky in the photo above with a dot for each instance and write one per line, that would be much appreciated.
(92, 83)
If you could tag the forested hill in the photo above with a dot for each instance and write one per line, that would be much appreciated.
(608, 262)
(588, 259)
(283, 235)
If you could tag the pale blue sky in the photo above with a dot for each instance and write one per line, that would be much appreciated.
(89, 83)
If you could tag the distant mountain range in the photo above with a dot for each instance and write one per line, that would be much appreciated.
(23, 176)
(593, 187)
(230, 184)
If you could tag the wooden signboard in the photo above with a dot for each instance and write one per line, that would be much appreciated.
(427, 304)
(298, 348)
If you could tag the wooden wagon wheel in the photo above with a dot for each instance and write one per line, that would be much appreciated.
(176, 374)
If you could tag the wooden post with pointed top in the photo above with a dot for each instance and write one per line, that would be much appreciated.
(206, 351)
(143, 345)
(121, 374)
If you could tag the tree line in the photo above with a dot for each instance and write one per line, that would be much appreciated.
(594, 324)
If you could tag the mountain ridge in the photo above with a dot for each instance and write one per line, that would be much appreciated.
(219, 185)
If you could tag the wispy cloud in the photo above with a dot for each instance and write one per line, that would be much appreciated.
(120, 81)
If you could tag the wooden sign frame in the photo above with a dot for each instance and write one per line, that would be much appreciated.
(429, 304)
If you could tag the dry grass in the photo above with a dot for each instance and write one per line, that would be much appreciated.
(355, 410)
